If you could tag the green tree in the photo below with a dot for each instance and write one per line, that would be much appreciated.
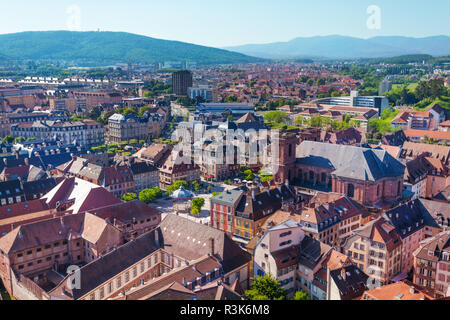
(176, 185)
(150, 195)
(248, 174)
(266, 178)
(277, 117)
(301, 295)
(265, 288)
(19, 139)
(8, 139)
(129, 196)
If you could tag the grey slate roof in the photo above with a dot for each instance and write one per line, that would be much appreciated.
(349, 161)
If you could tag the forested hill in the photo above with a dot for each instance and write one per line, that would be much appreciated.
(109, 47)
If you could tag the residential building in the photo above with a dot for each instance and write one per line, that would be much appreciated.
(346, 283)
(409, 222)
(181, 81)
(82, 133)
(377, 250)
(415, 135)
(277, 253)
(174, 169)
(125, 127)
(432, 264)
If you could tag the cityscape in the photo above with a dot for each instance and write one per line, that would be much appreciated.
(137, 168)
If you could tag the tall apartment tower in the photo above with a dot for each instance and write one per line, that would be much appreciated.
(181, 81)
(385, 86)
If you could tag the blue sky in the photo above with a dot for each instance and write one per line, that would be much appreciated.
(229, 22)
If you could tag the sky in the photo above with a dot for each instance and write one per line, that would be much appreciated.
(221, 23)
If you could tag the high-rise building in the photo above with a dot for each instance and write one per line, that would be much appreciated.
(385, 86)
(181, 81)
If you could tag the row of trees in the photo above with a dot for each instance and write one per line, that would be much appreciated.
(146, 195)
(11, 139)
(328, 123)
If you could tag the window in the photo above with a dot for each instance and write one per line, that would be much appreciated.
(351, 190)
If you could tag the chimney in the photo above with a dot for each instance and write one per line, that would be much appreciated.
(343, 273)
(211, 246)
(253, 194)
(12, 226)
(27, 162)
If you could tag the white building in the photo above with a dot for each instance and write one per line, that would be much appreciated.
(277, 253)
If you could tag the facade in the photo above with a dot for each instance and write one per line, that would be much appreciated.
(420, 120)
(384, 87)
(378, 102)
(432, 264)
(368, 176)
(126, 127)
(277, 253)
(208, 93)
(174, 169)
(82, 133)
(145, 175)
(139, 268)
(236, 109)
(181, 81)
(377, 250)
(243, 213)
(409, 222)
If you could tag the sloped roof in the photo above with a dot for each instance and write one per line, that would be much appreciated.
(349, 161)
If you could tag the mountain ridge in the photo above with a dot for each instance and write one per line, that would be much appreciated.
(337, 46)
(102, 47)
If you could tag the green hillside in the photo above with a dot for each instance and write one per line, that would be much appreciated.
(109, 47)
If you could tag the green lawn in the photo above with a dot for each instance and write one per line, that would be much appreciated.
(411, 87)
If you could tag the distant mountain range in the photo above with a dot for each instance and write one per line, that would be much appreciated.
(342, 47)
(109, 47)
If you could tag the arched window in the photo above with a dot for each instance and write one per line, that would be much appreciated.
(290, 150)
(300, 174)
(311, 175)
(351, 190)
(323, 177)
(378, 190)
(399, 184)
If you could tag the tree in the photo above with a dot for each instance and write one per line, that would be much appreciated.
(129, 196)
(301, 295)
(215, 194)
(277, 117)
(231, 98)
(19, 139)
(176, 185)
(198, 202)
(8, 139)
(265, 288)
(266, 178)
(196, 186)
(248, 174)
(299, 120)
(150, 195)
